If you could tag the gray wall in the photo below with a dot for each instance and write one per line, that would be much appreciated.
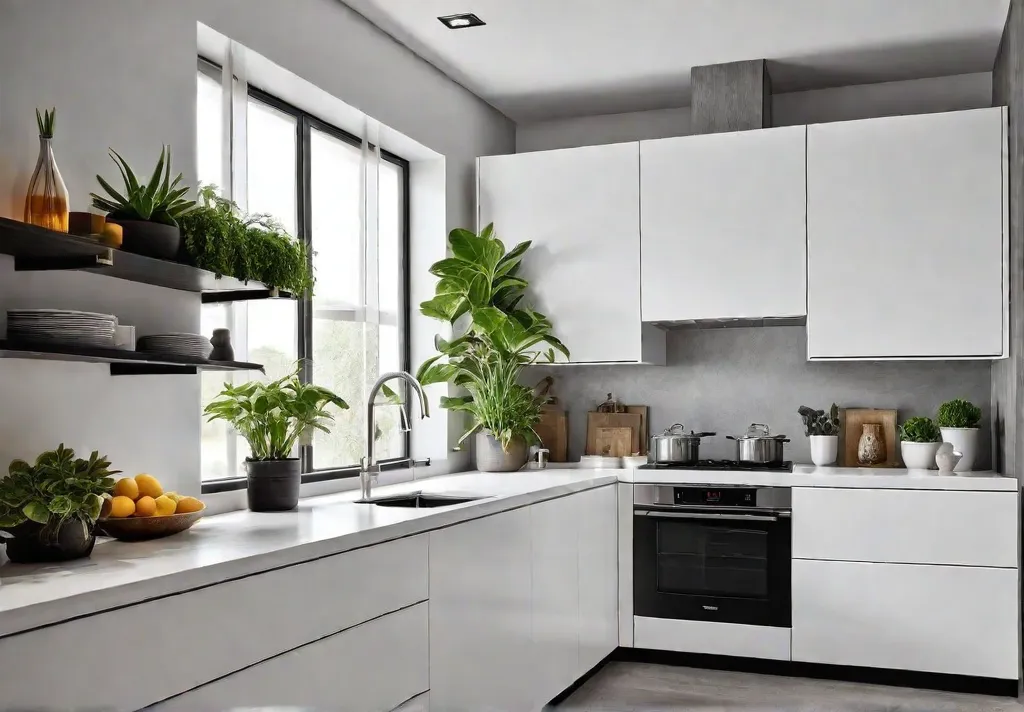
(1008, 374)
(918, 96)
(724, 379)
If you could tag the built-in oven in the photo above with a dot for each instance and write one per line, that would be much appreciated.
(713, 553)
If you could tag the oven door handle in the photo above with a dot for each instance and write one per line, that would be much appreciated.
(710, 515)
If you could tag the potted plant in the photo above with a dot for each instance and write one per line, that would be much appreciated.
(958, 420)
(48, 509)
(147, 212)
(273, 418)
(919, 441)
(222, 239)
(823, 431)
(480, 292)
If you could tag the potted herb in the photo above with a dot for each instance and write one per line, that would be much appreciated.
(499, 337)
(273, 418)
(148, 213)
(222, 239)
(919, 441)
(958, 420)
(48, 509)
(822, 429)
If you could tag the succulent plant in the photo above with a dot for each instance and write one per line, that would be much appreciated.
(958, 413)
(920, 430)
(818, 422)
(156, 201)
(45, 121)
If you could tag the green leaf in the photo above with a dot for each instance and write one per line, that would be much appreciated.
(133, 183)
(37, 512)
(113, 193)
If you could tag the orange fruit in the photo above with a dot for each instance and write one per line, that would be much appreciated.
(173, 495)
(165, 505)
(149, 486)
(126, 487)
(145, 507)
(189, 504)
(122, 506)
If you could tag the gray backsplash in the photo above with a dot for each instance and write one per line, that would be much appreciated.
(724, 379)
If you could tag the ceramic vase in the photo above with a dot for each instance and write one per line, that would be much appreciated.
(492, 457)
(964, 441)
(222, 348)
(824, 449)
(46, 203)
(871, 446)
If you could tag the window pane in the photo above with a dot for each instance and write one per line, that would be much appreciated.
(335, 170)
(210, 131)
(389, 240)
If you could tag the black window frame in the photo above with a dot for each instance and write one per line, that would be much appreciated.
(304, 124)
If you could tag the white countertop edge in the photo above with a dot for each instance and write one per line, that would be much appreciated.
(18, 615)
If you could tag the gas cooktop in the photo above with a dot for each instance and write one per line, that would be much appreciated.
(721, 465)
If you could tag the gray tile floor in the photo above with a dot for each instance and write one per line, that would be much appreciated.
(640, 687)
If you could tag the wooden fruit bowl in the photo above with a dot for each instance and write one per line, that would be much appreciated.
(143, 528)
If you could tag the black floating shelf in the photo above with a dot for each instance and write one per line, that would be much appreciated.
(122, 363)
(36, 248)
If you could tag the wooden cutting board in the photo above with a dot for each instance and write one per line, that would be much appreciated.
(614, 442)
(632, 421)
(645, 437)
(553, 431)
(853, 419)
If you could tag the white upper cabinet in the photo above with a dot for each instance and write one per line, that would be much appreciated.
(906, 237)
(581, 209)
(723, 225)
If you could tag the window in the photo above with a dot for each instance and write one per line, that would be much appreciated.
(308, 175)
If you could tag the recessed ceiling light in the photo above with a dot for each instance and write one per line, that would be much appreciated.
(461, 21)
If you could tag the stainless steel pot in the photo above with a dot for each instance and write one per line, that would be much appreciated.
(759, 446)
(676, 446)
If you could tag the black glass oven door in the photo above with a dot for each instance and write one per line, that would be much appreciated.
(728, 568)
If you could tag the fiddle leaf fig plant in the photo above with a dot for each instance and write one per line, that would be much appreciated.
(55, 488)
(480, 295)
(920, 430)
(958, 413)
(818, 422)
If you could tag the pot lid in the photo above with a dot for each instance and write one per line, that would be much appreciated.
(759, 431)
(678, 431)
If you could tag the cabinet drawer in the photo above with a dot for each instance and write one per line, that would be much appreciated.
(181, 642)
(375, 666)
(906, 526)
(947, 619)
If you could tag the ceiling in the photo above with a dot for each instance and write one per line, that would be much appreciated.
(542, 59)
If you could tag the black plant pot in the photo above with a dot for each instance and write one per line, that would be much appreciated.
(150, 239)
(273, 484)
(34, 543)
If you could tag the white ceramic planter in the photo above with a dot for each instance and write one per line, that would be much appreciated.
(824, 449)
(919, 456)
(965, 441)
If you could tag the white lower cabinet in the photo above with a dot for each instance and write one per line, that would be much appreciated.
(945, 619)
(480, 617)
(598, 575)
(523, 603)
(378, 665)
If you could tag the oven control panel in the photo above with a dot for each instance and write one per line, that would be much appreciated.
(725, 497)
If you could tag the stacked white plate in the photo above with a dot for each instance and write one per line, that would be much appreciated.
(61, 327)
(195, 346)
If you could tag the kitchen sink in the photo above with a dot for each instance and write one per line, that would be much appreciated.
(418, 500)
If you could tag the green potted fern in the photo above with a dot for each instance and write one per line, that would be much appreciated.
(49, 508)
(480, 294)
(147, 212)
(958, 421)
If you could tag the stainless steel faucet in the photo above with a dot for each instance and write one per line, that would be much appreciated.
(369, 468)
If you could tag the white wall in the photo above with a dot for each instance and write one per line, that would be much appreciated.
(920, 96)
(122, 73)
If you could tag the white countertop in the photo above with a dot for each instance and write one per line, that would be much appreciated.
(843, 477)
(242, 543)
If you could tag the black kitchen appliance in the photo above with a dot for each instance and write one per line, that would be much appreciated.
(713, 553)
